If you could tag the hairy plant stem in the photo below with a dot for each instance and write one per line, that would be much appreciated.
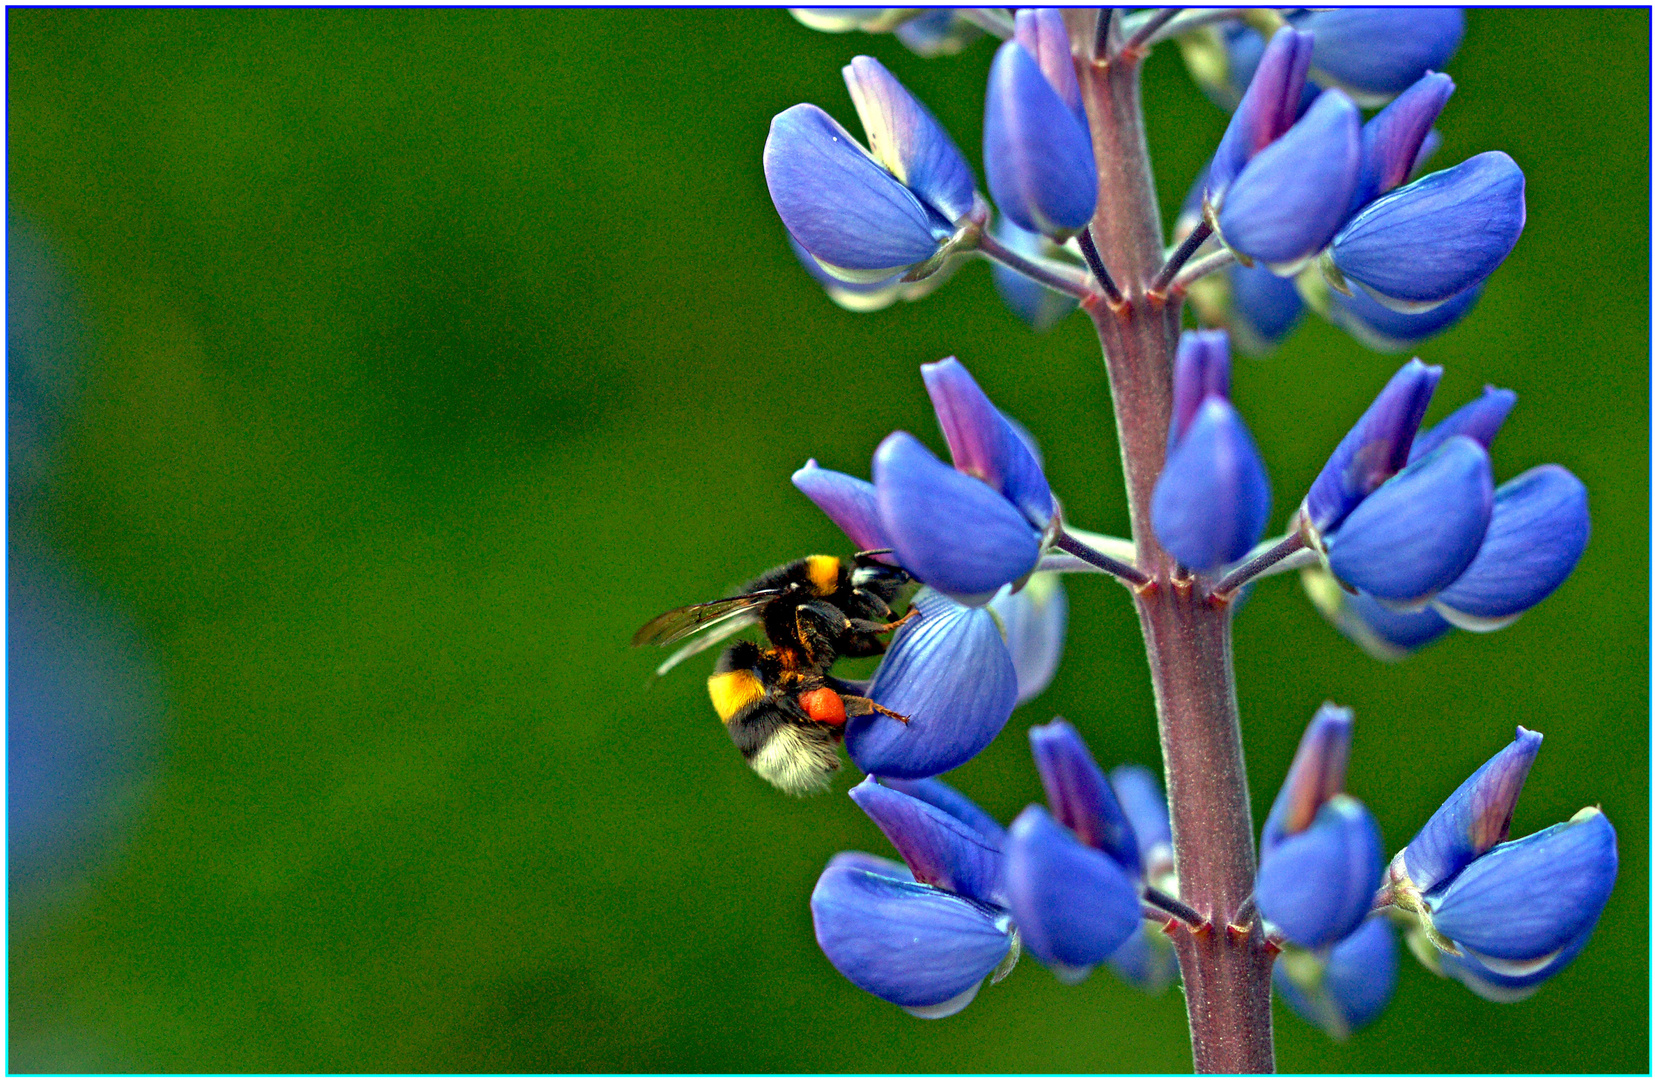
(1226, 973)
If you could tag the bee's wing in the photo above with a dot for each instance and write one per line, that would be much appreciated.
(729, 626)
(680, 623)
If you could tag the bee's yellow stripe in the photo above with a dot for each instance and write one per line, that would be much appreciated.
(823, 571)
(733, 691)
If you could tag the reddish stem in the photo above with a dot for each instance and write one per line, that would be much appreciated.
(1187, 640)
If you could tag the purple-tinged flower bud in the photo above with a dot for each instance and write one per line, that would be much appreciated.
(913, 945)
(1073, 904)
(1480, 419)
(939, 848)
(905, 138)
(1523, 902)
(1213, 496)
(1201, 370)
(1472, 820)
(983, 443)
(950, 530)
(950, 802)
(1034, 303)
(949, 673)
(1316, 775)
(1042, 33)
(1421, 529)
(1374, 53)
(1384, 330)
(1079, 795)
(852, 504)
(1034, 620)
(1426, 243)
(1536, 536)
(1347, 988)
(1374, 450)
(1392, 140)
(1382, 632)
(1286, 204)
(1318, 885)
(1037, 155)
(1267, 109)
(1264, 308)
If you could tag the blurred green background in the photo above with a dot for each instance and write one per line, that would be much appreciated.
(426, 354)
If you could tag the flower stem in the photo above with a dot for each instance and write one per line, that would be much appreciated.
(1200, 268)
(1032, 270)
(1226, 976)
(1258, 564)
(1125, 571)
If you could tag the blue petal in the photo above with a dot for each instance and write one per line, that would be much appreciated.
(1078, 794)
(1430, 241)
(1034, 303)
(1473, 819)
(1286, 204)
(984, 443)
(1146, 808)
(1535, 538)
(1383, 50)
(1316, 775)
(1318, 885)
(951, 531)
(1527, 899)
(840, 204)
(1375, 449)
(908, 141)
(1213, 496)
(1201, 369)
(1264, 308)
(1267, 109)
(951, 802)
(850, 502)
(1034, 619)
(1037, 156)
(1383, 633)
(1041, 31)
(1147, 960)
(1502, 986)
(1392, 140)
(873, 864)
(1347, 989)
(1480, 419)
(1421, 529)
(909, 944)
(1073, 904)
(939, 848)
(949, 673)
(1382, 329)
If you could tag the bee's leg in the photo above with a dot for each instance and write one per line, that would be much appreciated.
(861, 706)
(865, 626)
(817, 623)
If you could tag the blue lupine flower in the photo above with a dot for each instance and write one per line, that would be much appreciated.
(1479, 419)
(1373, 53)
(1213, 496)
(925, 936)
(1504, 915)
(852, 504)
(1343, 988)
(1072, 881)
(1536, 536)
(1037, 147)
(1419, 530)
(1266, 112)
(1384, 633)
(1034, 303)
(866, 216)
(1375, 448)
(1384, 330)
(949, 673)
(1424, 244)
(969, 529)
(1264, 308)
(864, 297)
(1320, 856)
(1293, 195)
(1034, 619)
(1147, 960)
(839, 20)
(1393, 140)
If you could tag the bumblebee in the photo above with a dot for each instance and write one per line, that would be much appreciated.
(782, 708)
